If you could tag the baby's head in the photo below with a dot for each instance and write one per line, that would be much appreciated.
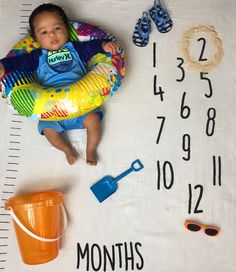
(49, 26)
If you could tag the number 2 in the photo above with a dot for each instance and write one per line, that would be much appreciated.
(203, 48)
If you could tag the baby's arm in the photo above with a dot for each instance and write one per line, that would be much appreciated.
(24, 62)
(87, 49)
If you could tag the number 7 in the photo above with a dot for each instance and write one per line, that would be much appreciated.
(161, 127)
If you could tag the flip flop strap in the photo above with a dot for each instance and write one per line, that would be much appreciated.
(160, 4)
(155, 3)
(144, 19)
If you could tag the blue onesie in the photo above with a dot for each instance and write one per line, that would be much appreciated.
(58, 68)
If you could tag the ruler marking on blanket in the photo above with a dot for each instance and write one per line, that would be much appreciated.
(14, 135)
(16, 121)
(16, 128)
(13, 156)
(9, 188)
(26, 9)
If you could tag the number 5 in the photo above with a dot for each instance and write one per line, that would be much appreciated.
(209, 82)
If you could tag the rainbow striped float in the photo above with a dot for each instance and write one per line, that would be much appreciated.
(105, 73)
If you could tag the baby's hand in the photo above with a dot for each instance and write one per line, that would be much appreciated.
(2, 70)
(110, 47)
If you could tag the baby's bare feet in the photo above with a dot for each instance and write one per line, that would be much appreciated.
(91, 158)
(71, 155)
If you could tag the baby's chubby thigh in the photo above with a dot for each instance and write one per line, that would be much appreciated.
(81, 121)
(92, 118)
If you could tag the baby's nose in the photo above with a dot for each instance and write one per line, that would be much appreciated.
(51, 33)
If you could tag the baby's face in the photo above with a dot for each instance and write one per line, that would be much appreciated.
(50, 31)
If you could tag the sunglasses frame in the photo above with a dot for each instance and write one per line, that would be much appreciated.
(202, 227)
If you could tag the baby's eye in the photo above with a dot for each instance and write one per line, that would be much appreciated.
(58, 28)
(44, 32)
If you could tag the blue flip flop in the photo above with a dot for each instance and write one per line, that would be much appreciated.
(142, 30)
(161, 17)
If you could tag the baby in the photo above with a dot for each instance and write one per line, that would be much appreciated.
(49, 27)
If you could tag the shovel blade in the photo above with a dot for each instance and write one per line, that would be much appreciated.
(104, 188)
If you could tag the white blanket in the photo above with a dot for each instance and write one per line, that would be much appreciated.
(185, 139)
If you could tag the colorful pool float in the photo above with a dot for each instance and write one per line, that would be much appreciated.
(105, 73)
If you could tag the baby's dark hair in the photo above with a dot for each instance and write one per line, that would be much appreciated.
(50, 8)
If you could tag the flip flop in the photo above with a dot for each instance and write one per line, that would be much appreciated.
(142, 30)
(161, 17)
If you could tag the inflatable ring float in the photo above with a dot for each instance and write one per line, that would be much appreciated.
(104, 75)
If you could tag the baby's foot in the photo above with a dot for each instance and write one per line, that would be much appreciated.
(91, 157)
(71, 155)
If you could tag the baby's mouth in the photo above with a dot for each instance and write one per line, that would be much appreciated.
(54, 42)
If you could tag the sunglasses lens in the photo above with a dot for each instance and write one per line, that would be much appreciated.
(193, 227)
(211, 232)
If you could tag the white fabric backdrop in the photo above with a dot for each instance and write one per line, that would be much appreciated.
(137, 216)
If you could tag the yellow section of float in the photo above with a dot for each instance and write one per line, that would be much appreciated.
(75, 99)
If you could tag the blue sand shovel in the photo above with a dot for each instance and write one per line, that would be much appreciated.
(108, 185)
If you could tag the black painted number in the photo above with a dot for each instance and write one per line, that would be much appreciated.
(186, 145)
(161, 127)
(185, 110)
(203, 49)
(210, 126)
(167, 174)
(203, 77)
(154, 55)
(182, 70)
(216, 178)
(196, 208)
(159, 92)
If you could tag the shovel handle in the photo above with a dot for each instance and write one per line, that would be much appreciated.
(135, 166)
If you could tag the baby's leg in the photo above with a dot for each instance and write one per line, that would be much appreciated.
(59, 142)
(93, 125)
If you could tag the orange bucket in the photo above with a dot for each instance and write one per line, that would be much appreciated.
(38, 222)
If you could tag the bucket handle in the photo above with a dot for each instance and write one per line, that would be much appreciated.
(42, 239)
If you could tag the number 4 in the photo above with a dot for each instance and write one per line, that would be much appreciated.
(160, 92)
